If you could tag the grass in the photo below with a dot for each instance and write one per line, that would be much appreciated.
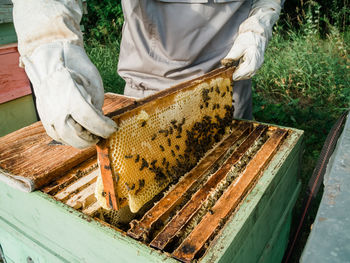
(105, 58)
(304, 83)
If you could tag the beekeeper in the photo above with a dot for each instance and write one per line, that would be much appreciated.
(164, 42)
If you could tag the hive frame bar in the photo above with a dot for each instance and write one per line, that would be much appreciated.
(227, 203)
(140, 229)
(179, 221)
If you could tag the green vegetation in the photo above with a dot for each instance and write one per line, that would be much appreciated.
(304, 82)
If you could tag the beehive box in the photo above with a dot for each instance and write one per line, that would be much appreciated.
(61, 223)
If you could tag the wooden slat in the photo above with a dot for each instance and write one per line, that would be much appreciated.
(229, 200)
(14, 82)
(28, 157)
(77, 186)
(179, 221)
(223, 72)
(109, 183)
(160, 210)
(84, 198)
(62, 182)
(92, 209)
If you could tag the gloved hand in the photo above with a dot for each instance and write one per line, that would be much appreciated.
(253, 36)
(67, 85)
(69, 94)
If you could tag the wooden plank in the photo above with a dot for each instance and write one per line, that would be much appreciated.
(84, 198)
(7, 34)
(140, 229)
(229, 200)
(5, 12)
(179, 221)
(92, 209)
(29, 160)
(77, 186)
(14, 82)
(224, 72)
(74, 174)
(109, 183)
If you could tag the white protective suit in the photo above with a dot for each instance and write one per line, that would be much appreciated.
(164, 42)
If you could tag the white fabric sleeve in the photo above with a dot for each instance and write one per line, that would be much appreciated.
(39, 22)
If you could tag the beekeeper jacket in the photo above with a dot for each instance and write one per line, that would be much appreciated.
(165, 42)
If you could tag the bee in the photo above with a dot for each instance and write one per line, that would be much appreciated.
(201, 106)
(169, 142)
(143, 124)
(171, 130)
(163, 161)
(177, 147)
(153, 163)
(141, 185)
(143, 164)
(141, 182)
(161, 147)
(211, 89)
(166, 132)
(154, 136)
(206, 104)
(129, 156)
(178, 136)
(173, 153)
(173, 122)
(217, 90)
(137, 158)
(223, 94)
(227, 88)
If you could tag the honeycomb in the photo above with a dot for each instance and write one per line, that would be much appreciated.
(162, 140)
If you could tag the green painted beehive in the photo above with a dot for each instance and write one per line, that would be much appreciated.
(35, 227)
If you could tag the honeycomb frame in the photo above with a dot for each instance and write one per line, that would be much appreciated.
(160, 138)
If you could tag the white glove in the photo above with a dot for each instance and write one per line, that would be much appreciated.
(67, 85)
(69, 94)
(253, 36)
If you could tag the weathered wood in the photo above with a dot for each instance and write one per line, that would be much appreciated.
(164, 93)
(6, 12)
(228, 201)
(77, 186)
(14, 82)
(160, 210)
(179, 221)
(92, 209)
(84, 198)
(29, 160)
(107, 177)
(62, 182)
